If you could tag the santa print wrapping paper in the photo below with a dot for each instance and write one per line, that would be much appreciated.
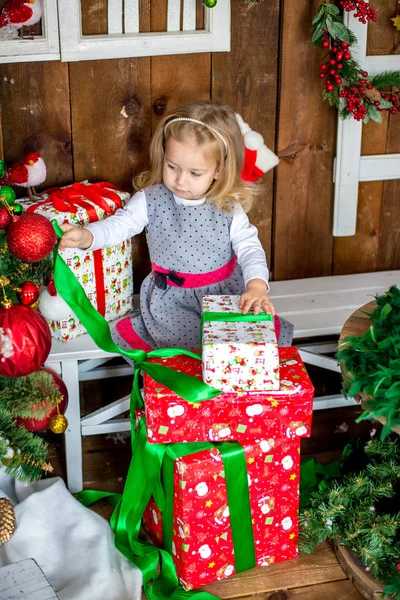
(202, 547)
(240, 416)
(106, 275)
(238, 356)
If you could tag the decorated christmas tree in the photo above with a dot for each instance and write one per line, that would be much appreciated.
(30, 395)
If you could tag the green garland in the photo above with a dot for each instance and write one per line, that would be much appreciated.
(361, 510)
(372, 362)
(29, 397)
(22, 454)
(17, 271)
(347, 86)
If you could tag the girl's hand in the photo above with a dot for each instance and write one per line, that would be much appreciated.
(75, 237)
(255, 298)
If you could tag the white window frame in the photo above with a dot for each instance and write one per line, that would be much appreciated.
(76, 47)
(43, 47)
(350, 167)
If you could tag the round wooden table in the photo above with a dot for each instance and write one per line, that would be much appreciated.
(357, 324)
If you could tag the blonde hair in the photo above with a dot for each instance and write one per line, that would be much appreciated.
(229, 188)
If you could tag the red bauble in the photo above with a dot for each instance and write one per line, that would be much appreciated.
(25, 341)
(5, 218)
(28, 293)
(37, 425)
(31, 237)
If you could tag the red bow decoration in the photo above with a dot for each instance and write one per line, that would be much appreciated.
(68, 199)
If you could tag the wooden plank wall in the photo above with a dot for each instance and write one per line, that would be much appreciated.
(71, 113)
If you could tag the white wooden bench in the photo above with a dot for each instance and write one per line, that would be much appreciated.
(318, 307)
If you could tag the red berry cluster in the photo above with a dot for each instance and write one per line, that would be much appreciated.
(395, 100)
(364, 11)
(354, 97)
(333, 67)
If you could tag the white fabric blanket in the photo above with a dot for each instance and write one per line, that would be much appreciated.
(73, 545)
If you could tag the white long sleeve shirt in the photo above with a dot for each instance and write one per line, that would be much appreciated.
(133, 218)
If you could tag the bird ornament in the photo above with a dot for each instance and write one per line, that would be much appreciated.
(28, 173)
(18, 14)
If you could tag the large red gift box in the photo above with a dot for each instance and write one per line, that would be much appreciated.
(241, 416)
(202, 546)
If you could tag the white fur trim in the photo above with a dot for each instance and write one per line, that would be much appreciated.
(244, 128)
(253, 140)
(266, 159)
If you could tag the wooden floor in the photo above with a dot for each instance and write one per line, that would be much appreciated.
(317, 576)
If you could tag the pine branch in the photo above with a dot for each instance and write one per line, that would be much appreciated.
(22, 453)
(32, 396)
(373, 360)
(359, 510)
(387, 79)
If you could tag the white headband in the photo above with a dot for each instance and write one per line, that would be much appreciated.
(221, 137)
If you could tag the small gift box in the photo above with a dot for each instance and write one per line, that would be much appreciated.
(241, 416)
(212, 529)
(240, 352)
(107, 274)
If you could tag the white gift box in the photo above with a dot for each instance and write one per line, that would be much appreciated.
(106, 275)
(238, 356)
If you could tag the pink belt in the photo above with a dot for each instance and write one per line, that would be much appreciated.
(164, 277)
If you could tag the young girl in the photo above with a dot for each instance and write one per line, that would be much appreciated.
(192, 206)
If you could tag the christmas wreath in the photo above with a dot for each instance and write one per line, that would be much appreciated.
(354, 93)
(361, 511)
(372, 362)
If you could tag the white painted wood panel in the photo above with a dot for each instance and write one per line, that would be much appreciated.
(41, 48)
(174, 15)
(363, 282)
(75, 46)
(131, 16)
(328, 302)
(189, 15)
(380, 166)
(25, 580)
(379, 64)
(115, 12)
(350, 167)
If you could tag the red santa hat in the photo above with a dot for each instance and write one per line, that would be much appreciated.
(258, 159)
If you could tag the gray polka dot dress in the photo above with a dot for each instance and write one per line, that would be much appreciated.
(182, 240)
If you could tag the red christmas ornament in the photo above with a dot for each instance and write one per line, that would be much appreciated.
(31, 237)
(25, 341)
(37, 425)
(5, 218)
(28, 293)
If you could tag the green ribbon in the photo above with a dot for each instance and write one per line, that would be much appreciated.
(235, 470)
(188, 387)
(315, 476)
(231, 317)
(143, 481)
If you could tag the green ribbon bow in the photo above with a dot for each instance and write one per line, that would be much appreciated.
(188, 387)
(143, 481)
(150, 460)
